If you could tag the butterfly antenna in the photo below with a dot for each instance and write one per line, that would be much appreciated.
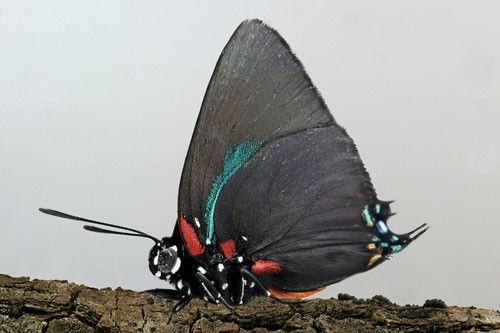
(106, 231)
(133, 232)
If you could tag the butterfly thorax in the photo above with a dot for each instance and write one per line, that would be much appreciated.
(214, 277)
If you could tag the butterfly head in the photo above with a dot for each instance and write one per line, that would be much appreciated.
(164, 259)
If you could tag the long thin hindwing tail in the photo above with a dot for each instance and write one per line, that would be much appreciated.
(258, 91)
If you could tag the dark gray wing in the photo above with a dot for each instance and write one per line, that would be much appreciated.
(258, 91)
(299, 202)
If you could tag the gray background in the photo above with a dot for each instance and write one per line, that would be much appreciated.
(98, 100)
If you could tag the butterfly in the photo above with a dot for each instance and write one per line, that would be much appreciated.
(274, 199)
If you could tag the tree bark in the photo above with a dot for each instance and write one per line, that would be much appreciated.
(58, 306)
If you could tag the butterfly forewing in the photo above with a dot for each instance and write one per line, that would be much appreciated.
(258, 91)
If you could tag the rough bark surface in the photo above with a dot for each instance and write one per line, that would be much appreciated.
(58, 306)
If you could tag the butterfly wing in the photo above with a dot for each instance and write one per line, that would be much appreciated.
(308, 211)
(258, 91)
(298, 202)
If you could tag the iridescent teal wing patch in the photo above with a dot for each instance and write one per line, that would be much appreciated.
(234, 159)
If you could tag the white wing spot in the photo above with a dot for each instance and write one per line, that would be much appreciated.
(201, 270)
(197, 222)
(220, 267)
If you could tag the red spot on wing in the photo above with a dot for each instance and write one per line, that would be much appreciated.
(227, 247)
(262, 267)
(294, 294)
(190, 237)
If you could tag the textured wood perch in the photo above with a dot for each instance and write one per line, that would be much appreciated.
(58, 306)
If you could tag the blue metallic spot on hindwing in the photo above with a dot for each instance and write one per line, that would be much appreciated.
(234, 159)
(396, 248)
(367, 216)
(382, 227)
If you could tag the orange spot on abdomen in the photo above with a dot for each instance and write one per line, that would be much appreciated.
(190, 237)
(295, 294)
(261, 267)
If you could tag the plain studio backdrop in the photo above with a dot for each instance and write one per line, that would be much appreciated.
(98, 100)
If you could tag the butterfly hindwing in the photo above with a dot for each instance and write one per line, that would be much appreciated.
(299, 203)
(258, 91)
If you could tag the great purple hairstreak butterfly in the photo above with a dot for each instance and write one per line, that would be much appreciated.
(274, 199)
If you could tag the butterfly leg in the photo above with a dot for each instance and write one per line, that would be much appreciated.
(179, 306)
(211, 291)
(252, 277)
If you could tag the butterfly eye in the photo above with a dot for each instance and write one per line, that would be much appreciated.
(167, 260)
